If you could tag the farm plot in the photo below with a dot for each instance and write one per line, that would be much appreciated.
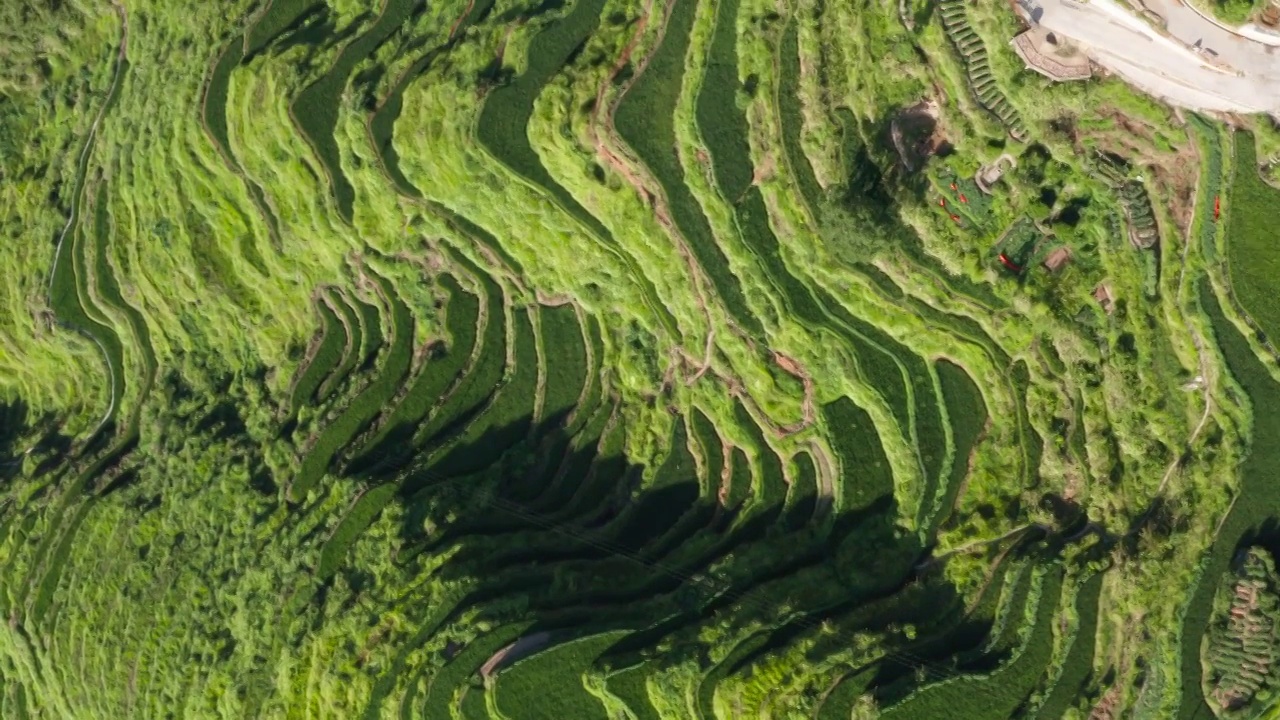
(364, 407)
(864, 469)
(467, 395)
(507, 419)
(359, 344)
(1241, 649)
(504, 120)
(792, 119)
(1250, 238)
(460, 674)
(967, 414)
(1258, 497)
(564, 347)
(1078, 664)
(322, 357)
(440, 370)
(279, 17)
(629, 686)
(1000, 693)
(1209, 138)
(550, 684)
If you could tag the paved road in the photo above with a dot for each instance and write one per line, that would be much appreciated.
(1201, 66)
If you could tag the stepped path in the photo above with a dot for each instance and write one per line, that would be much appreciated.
(1198, 64)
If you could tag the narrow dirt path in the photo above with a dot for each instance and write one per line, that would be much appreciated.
(607, 146)
(513, 652)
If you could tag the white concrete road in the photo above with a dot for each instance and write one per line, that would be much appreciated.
(1201, 65)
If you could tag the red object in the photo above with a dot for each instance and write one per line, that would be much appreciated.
(1217, 206)
(963, 199)
(942, 202)
(953, 186)
(956, 218)
(1011, 265)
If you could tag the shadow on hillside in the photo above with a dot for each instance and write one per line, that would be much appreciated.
(13, 423)
(549, 529)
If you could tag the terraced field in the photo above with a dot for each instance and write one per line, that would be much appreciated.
(608, 359)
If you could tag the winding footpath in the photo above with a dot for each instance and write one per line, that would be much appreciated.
(1194, 63)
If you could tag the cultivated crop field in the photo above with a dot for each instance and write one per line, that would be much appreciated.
(622, 359)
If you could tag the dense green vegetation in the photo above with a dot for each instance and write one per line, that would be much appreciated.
(595, 360)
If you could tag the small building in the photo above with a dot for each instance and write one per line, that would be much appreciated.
(991, 173)
(1057, 259)
(1102, 294)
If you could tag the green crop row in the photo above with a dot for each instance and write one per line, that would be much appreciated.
(770, 486)
(721, 122)
(1077, 666)
(802, 497)
(325, 357)
(629, 686)
(645, 119)
(68, 276)
(564, 348)
(1001, 692)
(968, 416)
(507, 420)
(728, 146)
(357, 342)
(674, 486)
(439, 371)
(1209, 139)
(477, 385)
(1250, 239)
(864, 469)
(316, 108)
(214, 104)
(792, 119)
(462, 671)
(279, 17)
(504, 118)
(365, 406)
